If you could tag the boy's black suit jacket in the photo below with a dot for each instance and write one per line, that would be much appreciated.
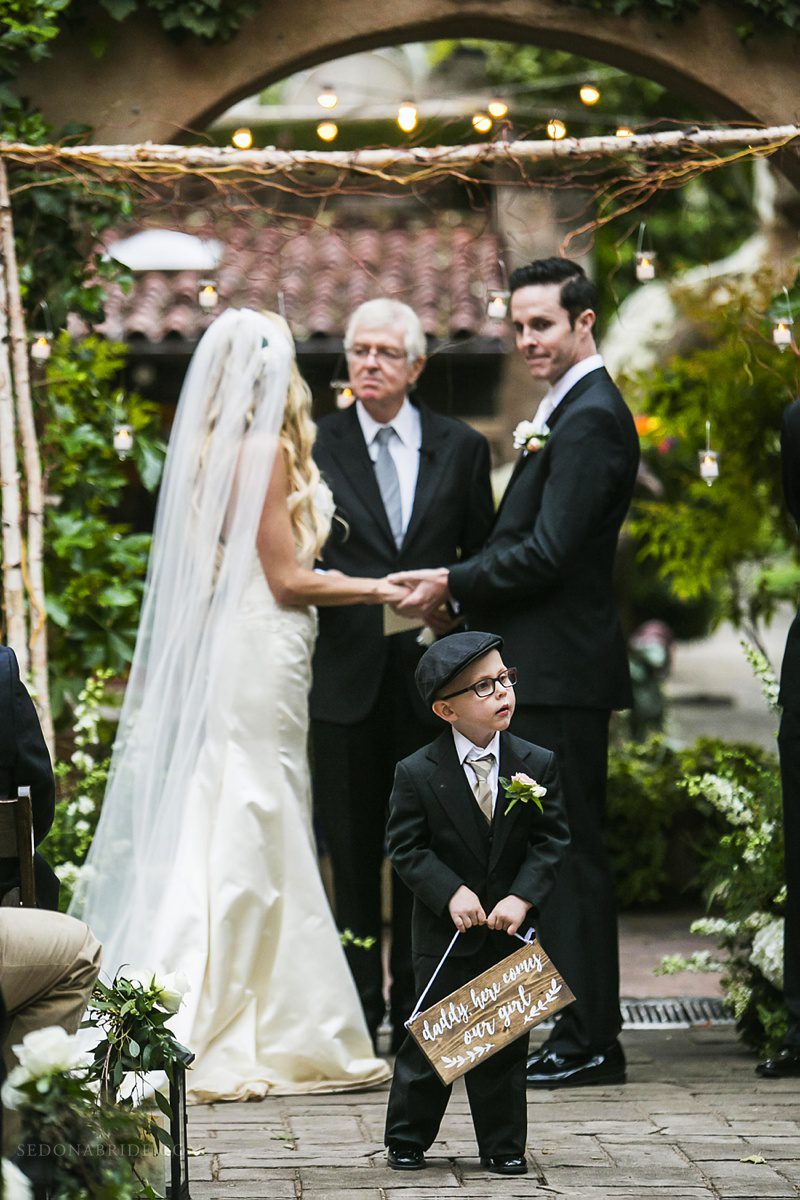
(25, 762)
(544, 578)
(439, 840)
(450, 519)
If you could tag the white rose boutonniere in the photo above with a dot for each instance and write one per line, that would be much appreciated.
(528, 438)
(521, 787)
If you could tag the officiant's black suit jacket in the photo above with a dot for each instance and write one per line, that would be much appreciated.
(25, 762)
(438, 840)
(450, 520)
(544, 579)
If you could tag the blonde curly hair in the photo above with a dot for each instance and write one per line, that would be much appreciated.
(296, 439)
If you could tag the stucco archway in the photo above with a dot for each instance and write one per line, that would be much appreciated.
(148, 86)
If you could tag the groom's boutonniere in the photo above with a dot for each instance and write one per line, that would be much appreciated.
(522, 787)
(528, 438)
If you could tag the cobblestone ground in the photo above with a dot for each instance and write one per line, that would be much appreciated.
(693, 1121)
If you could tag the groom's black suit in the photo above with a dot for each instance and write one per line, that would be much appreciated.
(438, 840)
(366, 713)
(544, 582)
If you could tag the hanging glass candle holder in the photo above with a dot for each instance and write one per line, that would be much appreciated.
(497, 303)
(708, 459)
(782, 325)
(41, 346)
(123, 440)
(645, 259)
(207, 294)
(343, 393)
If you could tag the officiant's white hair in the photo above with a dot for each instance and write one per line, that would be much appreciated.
(372, 314)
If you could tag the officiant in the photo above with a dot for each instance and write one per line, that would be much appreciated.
(411, 489)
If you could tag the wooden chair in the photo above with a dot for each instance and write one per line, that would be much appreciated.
(16, 841)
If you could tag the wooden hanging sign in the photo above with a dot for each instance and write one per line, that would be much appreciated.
(497, 1007)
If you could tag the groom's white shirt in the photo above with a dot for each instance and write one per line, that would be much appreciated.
(552, 398)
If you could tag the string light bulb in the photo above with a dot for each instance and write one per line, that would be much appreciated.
(623, 131)
(589, 93)
(556, 129)
(327, 97)
(481, 122)
(242, 138)
(407, 116)
(327, 130)
(497, 107)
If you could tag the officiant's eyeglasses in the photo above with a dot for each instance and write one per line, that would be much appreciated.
(382, 353)
(486, 687)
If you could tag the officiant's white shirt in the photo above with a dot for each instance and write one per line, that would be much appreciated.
(552, 398)
(404, 448)
(465, 749)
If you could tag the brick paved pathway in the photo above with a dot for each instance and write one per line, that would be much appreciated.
(681, 1129)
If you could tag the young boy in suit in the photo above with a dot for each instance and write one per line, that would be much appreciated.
(473, 867)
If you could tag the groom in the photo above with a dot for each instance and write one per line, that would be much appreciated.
(544, 583)
(412, 490)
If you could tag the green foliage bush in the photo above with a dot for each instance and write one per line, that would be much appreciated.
(783, 12)
(94, 565)
(727, 539)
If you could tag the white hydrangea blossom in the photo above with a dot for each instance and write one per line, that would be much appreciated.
(729, 798)
(714, 927)
(767, 952)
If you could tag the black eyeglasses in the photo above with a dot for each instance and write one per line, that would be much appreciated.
(486, 687)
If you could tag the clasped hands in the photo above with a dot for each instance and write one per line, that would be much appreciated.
(506, 916)
(423, 594)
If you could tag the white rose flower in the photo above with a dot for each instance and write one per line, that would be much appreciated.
(85, 805)
(170, 990)
(49, 1050)
(11, 1097)
(523, 431)
(15, 1185)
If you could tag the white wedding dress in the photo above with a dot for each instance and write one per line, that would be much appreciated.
(272, 1005)
(204, 859)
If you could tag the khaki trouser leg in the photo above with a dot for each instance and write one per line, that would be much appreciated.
(48, 966)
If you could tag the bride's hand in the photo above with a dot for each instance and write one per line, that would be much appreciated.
(389, 593)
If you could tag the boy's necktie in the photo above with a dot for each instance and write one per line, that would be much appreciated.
(484, 793)
(389, 483)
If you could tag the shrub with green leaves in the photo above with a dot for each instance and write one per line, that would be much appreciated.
(94, 564)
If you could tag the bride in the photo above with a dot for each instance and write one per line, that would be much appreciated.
(204, 858)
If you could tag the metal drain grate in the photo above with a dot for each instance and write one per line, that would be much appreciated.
(670, 1014)
(675, 1014)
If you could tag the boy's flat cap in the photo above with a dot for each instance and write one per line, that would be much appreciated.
(442, 661)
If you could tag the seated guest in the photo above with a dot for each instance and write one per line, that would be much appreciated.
(48, 966)
(25, 762)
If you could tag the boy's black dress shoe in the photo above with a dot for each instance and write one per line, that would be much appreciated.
(550, 1070)
(505, 1164)
(785, 1065)
(406, 1158)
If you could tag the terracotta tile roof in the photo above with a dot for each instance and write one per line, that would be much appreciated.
(441, 270)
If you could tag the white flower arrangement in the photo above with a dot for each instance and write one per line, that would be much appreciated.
(41, 1053)
(731, 799)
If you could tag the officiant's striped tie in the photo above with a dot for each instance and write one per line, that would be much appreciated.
(484, 793)
(389, 482)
